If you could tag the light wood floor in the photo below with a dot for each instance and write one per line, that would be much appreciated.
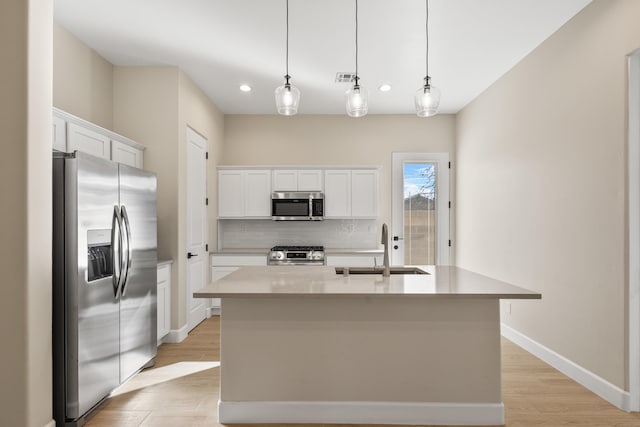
(181, 390)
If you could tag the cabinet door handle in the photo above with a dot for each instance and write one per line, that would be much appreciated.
(190, 255)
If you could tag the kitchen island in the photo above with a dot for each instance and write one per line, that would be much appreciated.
(305, 345)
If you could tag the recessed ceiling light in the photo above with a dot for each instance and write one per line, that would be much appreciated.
(245, 88)
(385, 88)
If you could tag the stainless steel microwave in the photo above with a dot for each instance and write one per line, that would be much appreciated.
(297, 206)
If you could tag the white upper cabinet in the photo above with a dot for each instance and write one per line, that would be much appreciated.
(244, 193)
(126, 154)
(348, 193)
(337, 193)
(257, 193)
(364, 193)
(230, 194)
(297, 180)
(88, 141)
(71, 133)
(59, 134)
(351, 193)
(285, 180)
(310, 180)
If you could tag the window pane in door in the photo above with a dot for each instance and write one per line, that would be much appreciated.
(420, 203)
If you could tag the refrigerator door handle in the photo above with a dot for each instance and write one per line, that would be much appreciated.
(116, 250)
(129, 250)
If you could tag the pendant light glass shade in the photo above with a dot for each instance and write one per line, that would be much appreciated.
(287, 99)
(427, 100)
(287, 96)
(357, 101)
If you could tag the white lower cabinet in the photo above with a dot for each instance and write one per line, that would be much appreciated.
(354, 260)
(224, 264)
(164, 301)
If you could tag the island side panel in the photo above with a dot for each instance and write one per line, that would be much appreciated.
(360, 349)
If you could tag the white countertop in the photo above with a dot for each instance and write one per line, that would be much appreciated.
(306, 281)
(162, 262)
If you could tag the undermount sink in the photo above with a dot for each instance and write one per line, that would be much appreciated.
(379, 270)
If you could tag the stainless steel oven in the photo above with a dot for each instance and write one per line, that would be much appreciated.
(297, 206)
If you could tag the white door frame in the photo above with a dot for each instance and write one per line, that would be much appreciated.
(443, 250)
(206, 302)
(634, 228)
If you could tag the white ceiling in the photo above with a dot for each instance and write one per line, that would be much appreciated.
(221, 44)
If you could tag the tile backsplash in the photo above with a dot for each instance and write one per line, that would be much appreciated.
(265, 233)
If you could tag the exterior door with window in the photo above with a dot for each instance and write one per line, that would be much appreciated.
(420, 209)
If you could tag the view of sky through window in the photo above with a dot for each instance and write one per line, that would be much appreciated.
(419, 178)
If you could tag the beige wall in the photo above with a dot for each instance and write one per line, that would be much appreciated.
(25, 246)
(335, 140)
(146, 110)
(196, 111)
(154, 106)
(199, 113)
(541, 186)
(82, 79)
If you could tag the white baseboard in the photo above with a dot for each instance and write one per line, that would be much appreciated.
(213, 311)
(609, 392)
(51, 423)
(361, 413)
(176, 335)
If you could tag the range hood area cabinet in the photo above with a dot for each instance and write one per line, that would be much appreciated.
(245, 192)
(297, 180)
(71, 133)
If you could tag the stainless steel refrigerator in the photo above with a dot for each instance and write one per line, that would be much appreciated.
(104, 280)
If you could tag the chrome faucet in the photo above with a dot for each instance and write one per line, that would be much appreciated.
(385, 242)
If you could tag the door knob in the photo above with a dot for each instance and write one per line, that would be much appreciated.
(190, 255)
(395, 246)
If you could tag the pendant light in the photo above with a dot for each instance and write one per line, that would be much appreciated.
(287, 96)
(427, 98)
(357, 96)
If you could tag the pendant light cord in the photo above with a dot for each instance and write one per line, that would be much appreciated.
(356, 42)
(287, 50)
(426, 32)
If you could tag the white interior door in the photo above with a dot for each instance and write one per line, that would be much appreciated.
(420, 209)
(196, 225)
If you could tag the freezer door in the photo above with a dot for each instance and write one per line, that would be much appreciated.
(138, 330)
(91, 308)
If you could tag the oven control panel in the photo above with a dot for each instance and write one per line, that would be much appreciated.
(296, 255)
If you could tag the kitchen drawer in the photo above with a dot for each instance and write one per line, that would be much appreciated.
(238, 260)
